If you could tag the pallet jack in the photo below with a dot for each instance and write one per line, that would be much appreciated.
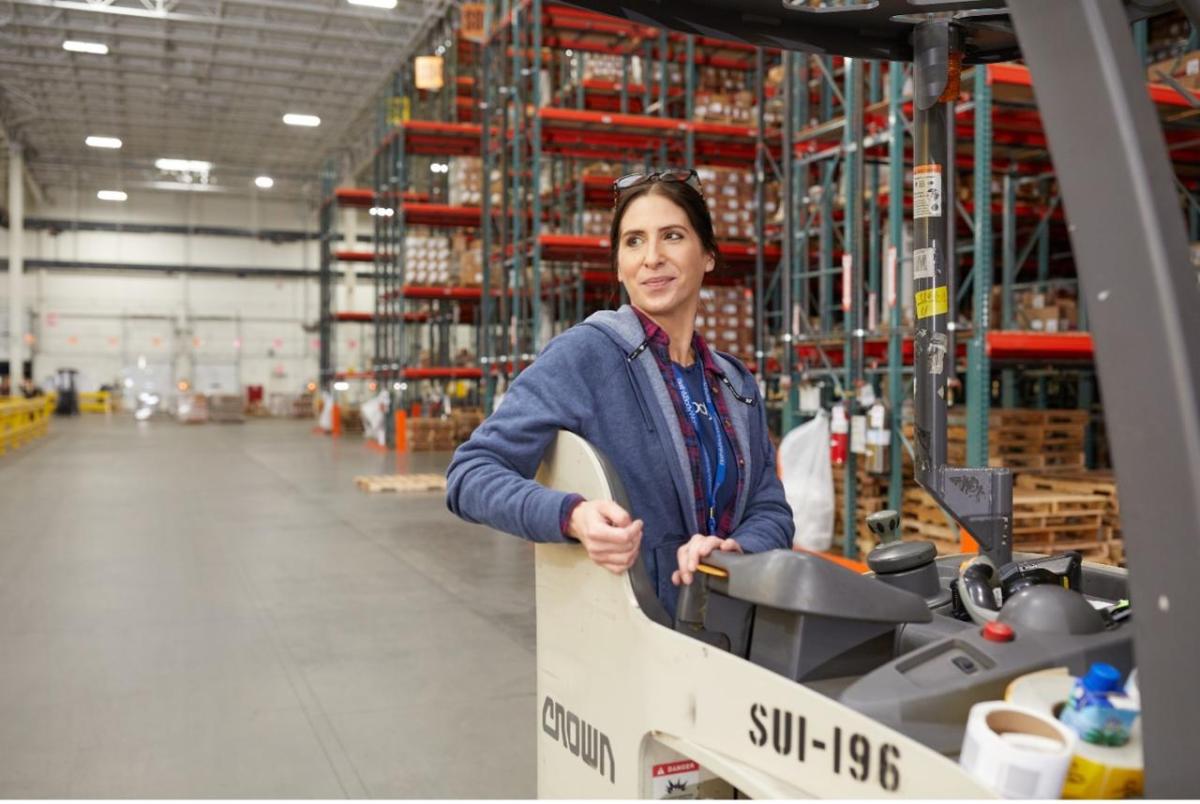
(784, 675)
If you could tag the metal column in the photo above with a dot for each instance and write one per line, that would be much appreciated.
(895, 264)
(852, 281)
(760, 146)
(979, 375)
(16, 267)
(1008, 270)
(787, 198)
(1147, 337)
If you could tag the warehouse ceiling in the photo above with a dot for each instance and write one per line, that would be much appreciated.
(200, 80)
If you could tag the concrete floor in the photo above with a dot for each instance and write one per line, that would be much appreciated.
(217, 611)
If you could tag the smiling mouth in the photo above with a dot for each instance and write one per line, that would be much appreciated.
(659, 282)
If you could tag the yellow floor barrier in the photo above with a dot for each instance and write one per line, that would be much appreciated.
(22, 420)
(95, 402)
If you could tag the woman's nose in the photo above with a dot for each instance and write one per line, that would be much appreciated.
(652, 255)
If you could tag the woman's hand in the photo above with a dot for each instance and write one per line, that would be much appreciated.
(698, 547)
(611, 537)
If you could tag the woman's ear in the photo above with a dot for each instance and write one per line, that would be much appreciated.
(710, 262)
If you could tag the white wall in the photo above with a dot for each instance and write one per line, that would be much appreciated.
(102, 322)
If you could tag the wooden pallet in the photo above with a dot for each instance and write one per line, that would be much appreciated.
(400, 483)
(1100, 484)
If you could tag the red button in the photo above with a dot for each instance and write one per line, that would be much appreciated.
(998, 632)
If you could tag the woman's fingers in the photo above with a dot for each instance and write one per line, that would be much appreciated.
(614, 513)
(695, 550)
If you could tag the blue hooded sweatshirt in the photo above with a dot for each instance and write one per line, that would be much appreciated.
(594, 381)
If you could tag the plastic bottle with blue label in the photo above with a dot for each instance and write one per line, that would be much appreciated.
(1098, 710)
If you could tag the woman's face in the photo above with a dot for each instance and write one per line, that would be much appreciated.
(660, 259)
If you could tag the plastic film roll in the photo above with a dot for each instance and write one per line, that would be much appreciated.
(1018, 752)
(1097, 771)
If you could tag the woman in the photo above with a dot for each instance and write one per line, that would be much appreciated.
(683, 425)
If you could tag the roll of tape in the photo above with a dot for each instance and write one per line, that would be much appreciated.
(1097, 771)
(1016, 751)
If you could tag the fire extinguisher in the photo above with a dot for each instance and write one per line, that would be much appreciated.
(839, 435)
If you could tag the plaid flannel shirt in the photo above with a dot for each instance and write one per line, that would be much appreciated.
(659, 345)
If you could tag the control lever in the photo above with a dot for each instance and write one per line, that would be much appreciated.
(975, 591)
(885, 525)
(1062, 569)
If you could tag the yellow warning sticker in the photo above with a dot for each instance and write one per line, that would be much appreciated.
(932, 302)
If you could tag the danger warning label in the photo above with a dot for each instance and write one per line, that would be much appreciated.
(927, 191)
(676, 779)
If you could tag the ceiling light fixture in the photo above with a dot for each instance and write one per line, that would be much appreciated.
(112, 195)
(264, 182)
(103, 142)
(76, 46)
(307, 120)
(183, 165)
(373, 3)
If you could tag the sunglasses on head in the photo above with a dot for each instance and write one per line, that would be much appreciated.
(628, 182)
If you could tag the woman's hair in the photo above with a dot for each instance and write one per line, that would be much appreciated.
(685, 197)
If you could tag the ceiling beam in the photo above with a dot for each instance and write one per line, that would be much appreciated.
(239, 23)
(49, 87)
(50, 54)
(67, 24)
(297, 60)
(125, 73)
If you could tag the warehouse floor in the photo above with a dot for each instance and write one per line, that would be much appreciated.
(216, 610)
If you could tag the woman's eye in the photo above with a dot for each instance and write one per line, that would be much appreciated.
(674, 235)
(633, 242)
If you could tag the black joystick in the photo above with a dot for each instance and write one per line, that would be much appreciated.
(906, 565)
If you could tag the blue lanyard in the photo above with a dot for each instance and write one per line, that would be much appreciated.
(713, 482)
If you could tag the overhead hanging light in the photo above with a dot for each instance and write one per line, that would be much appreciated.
(112, 195)
(77, 46)
(183, 165)
(264, 182)
(103, 142)
(373, 3)
(306, 120)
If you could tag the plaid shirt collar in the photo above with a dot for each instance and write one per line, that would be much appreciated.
(661, 341)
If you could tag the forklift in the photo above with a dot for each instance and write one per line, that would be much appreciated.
(784, 675)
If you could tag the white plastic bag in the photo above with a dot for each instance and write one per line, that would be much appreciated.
(374, 418)
(325, 420)
(808, 482)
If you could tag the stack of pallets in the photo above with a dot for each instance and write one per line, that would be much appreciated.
(1023, 439)
(1043, 522)
(431, 435)
(1099, 483)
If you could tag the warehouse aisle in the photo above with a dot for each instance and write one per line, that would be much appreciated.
(218, 611)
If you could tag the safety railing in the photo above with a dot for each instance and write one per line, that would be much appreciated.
(23, 420)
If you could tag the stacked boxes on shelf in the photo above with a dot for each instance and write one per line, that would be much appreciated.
(1051, 310)
(467, 258)
(730, 198)
(466, 181)
(428, 259)
(725, 319)
(596, 222)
